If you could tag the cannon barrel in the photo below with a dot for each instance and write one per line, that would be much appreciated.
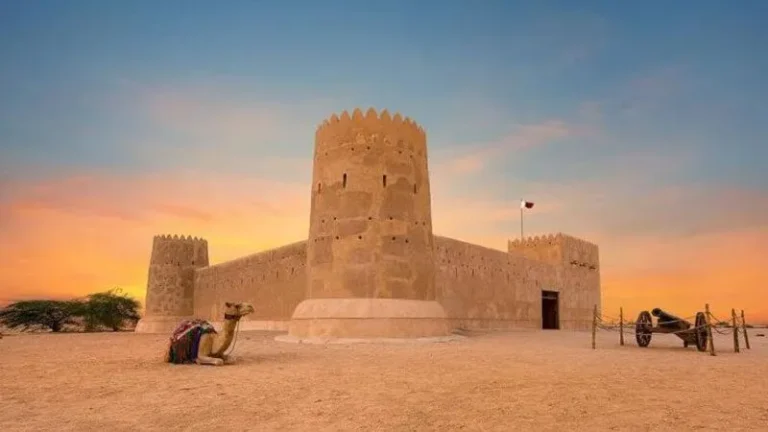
(669, 321)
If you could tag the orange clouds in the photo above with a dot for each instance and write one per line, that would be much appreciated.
(724, 269)
(75, 235)
(79, 234)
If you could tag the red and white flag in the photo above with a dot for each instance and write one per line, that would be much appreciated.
(526, 204)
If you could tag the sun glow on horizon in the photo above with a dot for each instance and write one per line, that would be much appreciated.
(107, 244)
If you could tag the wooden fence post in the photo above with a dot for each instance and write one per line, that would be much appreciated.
(710, 340)
(744, 329)
(735, 331)
(594, 325)
(621, 326)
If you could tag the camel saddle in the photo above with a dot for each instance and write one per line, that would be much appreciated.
(185, 340)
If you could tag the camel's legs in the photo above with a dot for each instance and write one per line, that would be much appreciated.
(204, 352)
(228, 359)
(205, 360)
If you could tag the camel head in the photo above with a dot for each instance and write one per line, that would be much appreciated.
(237, 310)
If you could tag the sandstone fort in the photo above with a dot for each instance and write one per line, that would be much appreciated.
(371, 265)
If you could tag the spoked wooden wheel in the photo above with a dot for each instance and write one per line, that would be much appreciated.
(701, 331)
(643, 328)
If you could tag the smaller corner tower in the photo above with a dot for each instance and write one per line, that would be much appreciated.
(577, 264)
(558, 250)
(171, 282)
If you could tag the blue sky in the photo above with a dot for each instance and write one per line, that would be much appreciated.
(624, 121)
(64, 61)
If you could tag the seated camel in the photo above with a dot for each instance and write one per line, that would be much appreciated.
(197, 341)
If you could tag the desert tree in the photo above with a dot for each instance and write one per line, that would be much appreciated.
(52, 314)
(110, 309)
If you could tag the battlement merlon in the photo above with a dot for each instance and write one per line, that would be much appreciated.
(179, 250)
(176, 237)
(558, 249)
(406, 131)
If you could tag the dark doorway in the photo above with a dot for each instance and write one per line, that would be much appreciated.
(550, 310)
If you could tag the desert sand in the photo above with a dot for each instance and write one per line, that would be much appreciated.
(501, 381)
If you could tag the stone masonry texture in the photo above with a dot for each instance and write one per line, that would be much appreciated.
(370, 226)
(171, 278)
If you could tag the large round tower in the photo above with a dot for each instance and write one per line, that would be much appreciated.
(170, 286)
(370, 266)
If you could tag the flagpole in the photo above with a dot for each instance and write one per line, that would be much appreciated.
(521, 219)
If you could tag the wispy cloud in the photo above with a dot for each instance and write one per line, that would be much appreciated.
(524, 137)
(649, 92)
(216, 119)
(216, 128)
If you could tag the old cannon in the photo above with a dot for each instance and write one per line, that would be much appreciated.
(668, 323)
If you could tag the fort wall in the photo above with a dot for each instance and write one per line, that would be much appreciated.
(488, 288)
(274, 281)
(481, 287)
(478, 287)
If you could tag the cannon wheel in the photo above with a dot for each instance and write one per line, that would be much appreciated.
(701, 331)
(643, 328)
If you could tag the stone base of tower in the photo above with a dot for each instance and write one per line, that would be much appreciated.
(354, 318)
(159, 324)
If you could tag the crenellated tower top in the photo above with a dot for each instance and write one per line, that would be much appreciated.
(397, 131)
(176, 237)
(558, 249)
(170, 283)
(179, 250)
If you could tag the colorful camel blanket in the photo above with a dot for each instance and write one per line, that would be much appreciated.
(185, 340)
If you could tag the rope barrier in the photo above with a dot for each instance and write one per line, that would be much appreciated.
(613, 319)
(630, 331)
(735, 325)
(716, 318)
(616, 322)
(718, 331)
(628, 328)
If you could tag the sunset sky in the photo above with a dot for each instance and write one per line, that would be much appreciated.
(640, 126)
